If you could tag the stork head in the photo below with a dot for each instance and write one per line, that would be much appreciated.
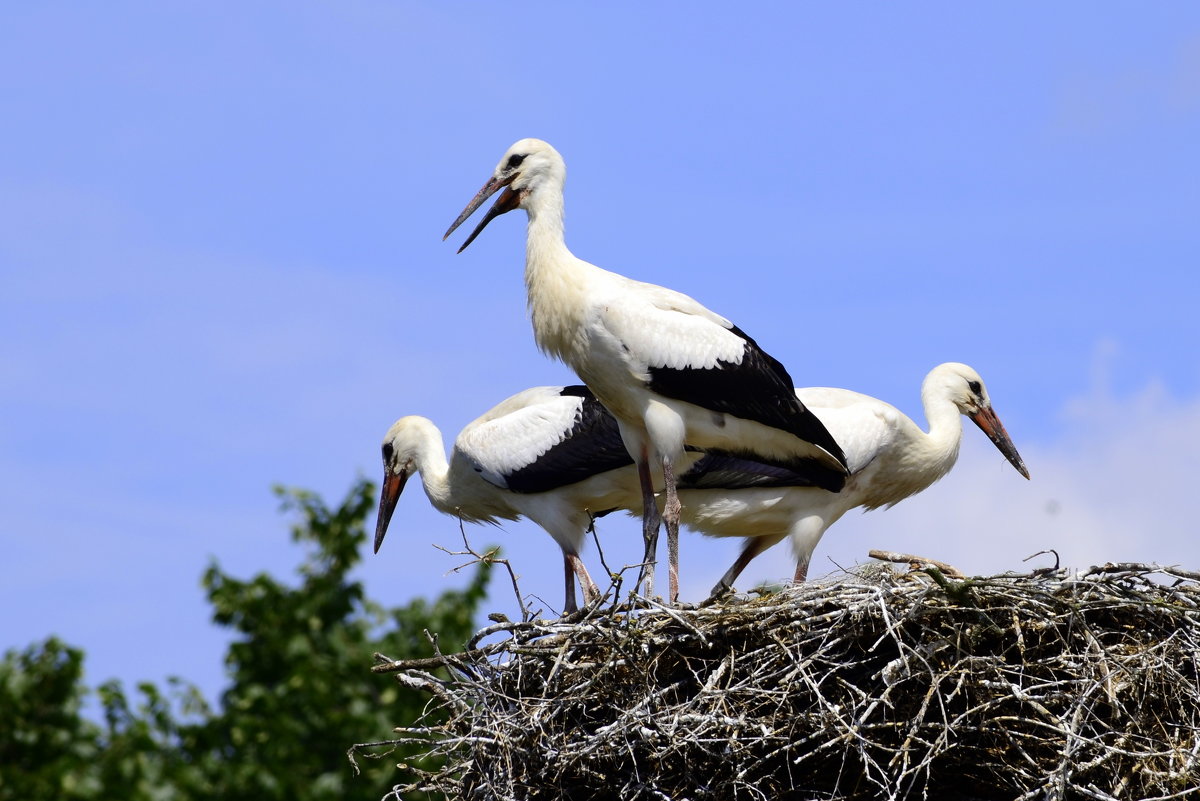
(399, 462)
(526, 166)
(963, 387)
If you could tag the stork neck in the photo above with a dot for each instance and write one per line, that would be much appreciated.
(554, 278)
(945, 433)
(545, 239)
(430, 459)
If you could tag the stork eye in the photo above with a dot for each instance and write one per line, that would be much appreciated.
(514, 161)
(976, 387)
(387, 451)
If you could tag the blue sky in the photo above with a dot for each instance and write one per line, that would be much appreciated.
(221, 268)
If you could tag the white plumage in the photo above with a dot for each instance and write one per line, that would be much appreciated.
(889, 456)
(550, 454)
(554, 455)
(671, 371)
(514, 433)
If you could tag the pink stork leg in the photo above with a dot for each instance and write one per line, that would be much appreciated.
(650, 523)
(671, 517)
(801, 571)
(569, 605)
(590, 591)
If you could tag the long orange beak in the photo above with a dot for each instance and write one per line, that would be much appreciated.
(990, 424)
(393, 485)
(507, 201)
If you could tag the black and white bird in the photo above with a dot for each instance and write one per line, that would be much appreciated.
(550, 454)
(890, 459)
(671, 371)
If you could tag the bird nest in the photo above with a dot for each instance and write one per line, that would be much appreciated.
(876, 684)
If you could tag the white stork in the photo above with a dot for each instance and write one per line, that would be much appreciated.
(551, 454)
(671, 371)
(890, 458)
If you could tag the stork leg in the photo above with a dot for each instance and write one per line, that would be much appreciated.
(590, 591)
(650, 522)
(751, 549)
(569, 605)
(801, 571)
(671, 517)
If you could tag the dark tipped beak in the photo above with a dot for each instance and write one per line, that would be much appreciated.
(393, 485)
(507, 201)
(990, 424)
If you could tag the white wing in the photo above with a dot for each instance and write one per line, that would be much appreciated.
(517, 431)
(663, 328)
(862, 425)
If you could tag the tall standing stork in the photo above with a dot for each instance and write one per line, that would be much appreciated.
(671, 371)
(890, 459)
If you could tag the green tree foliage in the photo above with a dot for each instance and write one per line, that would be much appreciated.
(50, 750)
(45, 744)
(300, 690)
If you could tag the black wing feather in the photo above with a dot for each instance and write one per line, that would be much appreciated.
(758, 388)
(592, 446)
(729, 471)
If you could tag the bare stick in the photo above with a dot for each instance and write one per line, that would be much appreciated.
(915, 561)
(1039, 553)
(491, 557)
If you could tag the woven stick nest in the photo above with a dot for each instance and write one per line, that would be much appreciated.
(874, 685)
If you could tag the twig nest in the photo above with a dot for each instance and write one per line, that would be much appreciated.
(1048, 685)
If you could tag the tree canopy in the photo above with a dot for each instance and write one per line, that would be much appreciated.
(300, 689)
